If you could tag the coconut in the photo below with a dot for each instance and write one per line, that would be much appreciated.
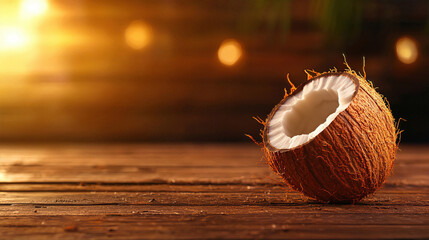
(332, 139)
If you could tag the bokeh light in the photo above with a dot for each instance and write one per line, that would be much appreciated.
(138, 35)
(230, 51)
(12, 38)
(406, 50)
(33, 8)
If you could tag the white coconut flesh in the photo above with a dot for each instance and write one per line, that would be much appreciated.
(307, 113)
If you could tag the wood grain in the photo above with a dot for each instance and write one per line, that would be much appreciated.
(190, 191)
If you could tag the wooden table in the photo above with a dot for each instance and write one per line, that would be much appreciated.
(185, 191)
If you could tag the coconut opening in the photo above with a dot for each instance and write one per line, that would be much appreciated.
(306, 115)
(308, 112)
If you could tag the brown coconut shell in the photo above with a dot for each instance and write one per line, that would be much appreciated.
(350, 159)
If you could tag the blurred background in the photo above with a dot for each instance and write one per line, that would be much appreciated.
(195, 70)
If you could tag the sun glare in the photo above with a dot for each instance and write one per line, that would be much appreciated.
(12, 38)
(406, 50)
(230, 51)
(33, 8)
(138, 35)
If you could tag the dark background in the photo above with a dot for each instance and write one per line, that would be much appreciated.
(68, 72)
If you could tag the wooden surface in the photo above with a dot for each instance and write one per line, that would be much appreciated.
(187, 191)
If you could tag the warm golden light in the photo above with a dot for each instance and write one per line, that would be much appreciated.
(230, 51)
(12, 38)
(33, 8)
(406, 50)
(138, 35)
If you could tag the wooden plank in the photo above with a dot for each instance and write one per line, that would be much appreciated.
(170, 187)
(397, 197)
(191, 155)
(292, 208)
(148, 164)
(179, 175)
(202, 226)
(128, 187)
(118, 174)
(133, 154)
(185, 153)
(293, 221)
